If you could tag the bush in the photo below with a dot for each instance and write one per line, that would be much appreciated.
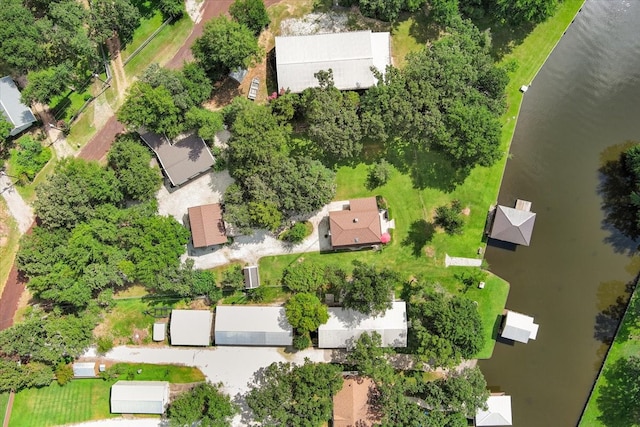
(105, 344)
(296, 234)
(301, 342)
(379, 174)
(64, 373)
(233, 277)
(449, 218)
(303, 277)
(30, 158)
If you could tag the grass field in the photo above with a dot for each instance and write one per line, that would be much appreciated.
(4, 399)
(625, 344)
(86, 399)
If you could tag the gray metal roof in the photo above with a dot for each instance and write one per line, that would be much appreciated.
(251, 277)
(349, 55)
(14, 110)
(345, 326)
(513, 225)
(84, 369)
(181, 160)
(191, 327)
(159, 331)
(139, 397)
(252, 325)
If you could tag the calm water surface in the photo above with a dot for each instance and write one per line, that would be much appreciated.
(585, 100)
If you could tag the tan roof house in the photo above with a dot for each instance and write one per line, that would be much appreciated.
(351, 404)
(207, 226)
(357, 225)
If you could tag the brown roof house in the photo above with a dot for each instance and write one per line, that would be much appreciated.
(207, 226)
(351, 404)
(360, 224)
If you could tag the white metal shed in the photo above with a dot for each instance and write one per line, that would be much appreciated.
(159, 331)
(139, 397)
(345, 326)
(252, 325)
(191, 327)
(519, 327)
(84, 369)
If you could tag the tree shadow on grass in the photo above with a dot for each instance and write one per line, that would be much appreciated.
(618, 400)
(420, 233)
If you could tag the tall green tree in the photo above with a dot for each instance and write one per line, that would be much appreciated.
(370, 290)
(519, 12)
(333, 118)
(109, 18)
(43, 85)
(196, 83)
(203, 405)
(225, 45)
(251, 13)
(303, 277)
(20, 38)
(151, 107)
(130, 162)
(287, 394)
(157, 76)
(207, 123)
(172, 8)
(306, 312)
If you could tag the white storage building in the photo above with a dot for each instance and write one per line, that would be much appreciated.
(349, 55)
(139, 397)
(519, 327)
(345, 326)
(498, 412)
(191, 327)
(252, 325)
(84, 369)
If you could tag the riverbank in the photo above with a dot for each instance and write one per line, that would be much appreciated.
(606, 396)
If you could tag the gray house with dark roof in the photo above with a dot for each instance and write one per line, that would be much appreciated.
(16, 113)
(513, 225)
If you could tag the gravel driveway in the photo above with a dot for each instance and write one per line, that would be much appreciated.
(20, 211)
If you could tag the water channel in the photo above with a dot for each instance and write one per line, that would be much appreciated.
(584, 102)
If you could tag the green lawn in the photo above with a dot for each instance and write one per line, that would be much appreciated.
(28, 191)
(147, 26)
(86, 399)
(162, 47)
(4, 399)
(129, 314)
(625, 344)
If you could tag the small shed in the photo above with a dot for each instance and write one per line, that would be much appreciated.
(238, 74)
(345, 326)
(519, 327)
(251, 277)
(139, 397)
(513, 225)
(252, 325)
(14, 110)
(191, 327)
(159, 331)
(498, 412)
(84, 369)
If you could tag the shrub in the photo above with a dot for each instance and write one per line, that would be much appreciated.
(64, 373)
(300, 342)
(29, 158)
(105, 344)
(233, 277)
(296, 234)
(379, 174)
(303, 277)
(449, 218)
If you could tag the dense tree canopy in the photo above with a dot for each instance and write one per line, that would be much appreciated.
(20, 38)
(203, 405)
(225, 45)
(444, 328)
(448, 98)
(251, 13)
(303, 277)
(370, 291)
(305, 312)
(129, 159)
(287, 394)
(45, 84)
(113, 17)
(151, 107)
(332, 116)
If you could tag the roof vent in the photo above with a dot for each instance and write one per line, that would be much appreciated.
(355, 219)
(356, 240)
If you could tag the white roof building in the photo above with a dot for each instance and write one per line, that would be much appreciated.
(349, 55)
(519, 327)
(191, 327)
(139, 397)
(344, 327)
(159, 331)
(17, 113)
(84, 369)
(252, 325)
(498, 412)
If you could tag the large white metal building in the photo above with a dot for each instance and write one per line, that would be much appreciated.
(345, 326)
(139, 397)
(349, 55)
(252, 325)
(191, 327)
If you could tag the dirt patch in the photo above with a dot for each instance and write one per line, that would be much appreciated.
(5, 229)
(224, 93)
(430, 251)
(199, 304)
(139, 336)
(466, 211)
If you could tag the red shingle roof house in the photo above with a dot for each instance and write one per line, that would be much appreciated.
(358, 225)
(351, 404)
(207, 226)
